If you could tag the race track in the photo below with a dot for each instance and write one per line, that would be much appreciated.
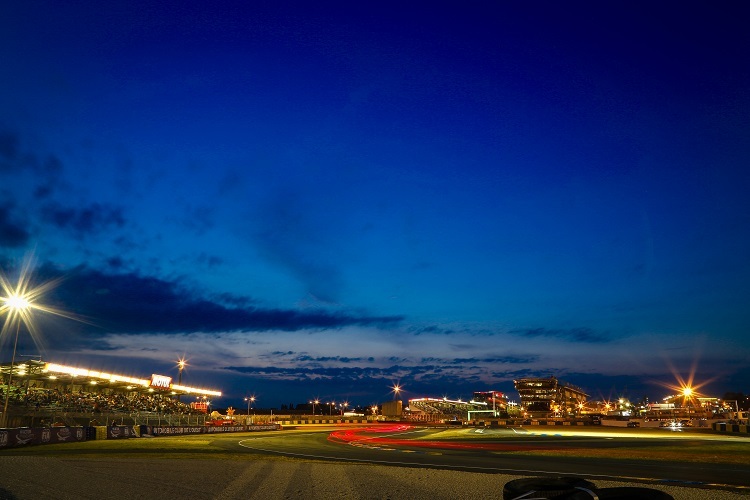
(346, 463)
(501, 451)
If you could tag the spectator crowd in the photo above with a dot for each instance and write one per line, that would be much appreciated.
(80, 401)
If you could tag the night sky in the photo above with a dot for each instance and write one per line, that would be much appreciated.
(322, 200)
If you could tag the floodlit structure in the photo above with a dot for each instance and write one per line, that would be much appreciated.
(549, 397)
(44, 374)
(484, 404)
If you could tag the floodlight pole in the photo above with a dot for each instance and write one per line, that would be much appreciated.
(10, 377)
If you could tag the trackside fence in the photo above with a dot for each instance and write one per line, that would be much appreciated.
(25, 436)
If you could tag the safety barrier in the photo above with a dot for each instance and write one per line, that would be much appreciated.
(731, 428)
(329, 421)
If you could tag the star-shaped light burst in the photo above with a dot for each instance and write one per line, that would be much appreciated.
(181, 364)
(688, 389)
(396, 390)
(19, 301)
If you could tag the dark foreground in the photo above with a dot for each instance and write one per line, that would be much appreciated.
(109, 477)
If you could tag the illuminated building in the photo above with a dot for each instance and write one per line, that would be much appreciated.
(545, 397)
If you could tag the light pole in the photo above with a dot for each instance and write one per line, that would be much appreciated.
(180, 366)
(396, 391)
(250, 399)
(313, 403)
(18, 302)
(330, 407)
(18, 307)
(343, 405)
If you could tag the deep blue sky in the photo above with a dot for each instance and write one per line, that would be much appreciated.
(322, 200)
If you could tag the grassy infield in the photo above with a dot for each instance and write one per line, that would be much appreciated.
(715, 451)
(729, 451)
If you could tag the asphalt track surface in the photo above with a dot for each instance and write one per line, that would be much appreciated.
(349, 462)
(408, 446)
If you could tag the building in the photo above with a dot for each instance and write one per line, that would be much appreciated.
(392, 409)
(549, 397)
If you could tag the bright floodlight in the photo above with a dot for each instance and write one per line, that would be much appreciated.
(17, 306)
(687, 391)
(17, 302)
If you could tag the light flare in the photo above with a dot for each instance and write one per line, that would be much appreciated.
(687, 387)
(19, 302)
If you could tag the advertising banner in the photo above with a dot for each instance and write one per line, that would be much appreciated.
(10, 438)
(121, 432)
(167, 430)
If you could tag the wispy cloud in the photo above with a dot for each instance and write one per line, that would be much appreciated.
(134, 304)
(291, 237)
(580, 334)
(13, 233)
(91, 219)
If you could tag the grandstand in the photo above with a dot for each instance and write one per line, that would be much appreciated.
(44, 393)
(444, 409)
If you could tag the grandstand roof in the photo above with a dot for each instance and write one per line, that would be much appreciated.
(40, 370)
(445, 404)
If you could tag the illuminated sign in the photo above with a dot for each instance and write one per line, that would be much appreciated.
(160, 381)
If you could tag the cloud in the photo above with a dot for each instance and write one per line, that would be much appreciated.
(339, 373)
(375, 382)
(292, 237)
(431, 329)
(491, 360)
(131, 303)
(581, 334)
(49, 177)
(17, 161)
(91, 219)
(13, 233)
(8, 148)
